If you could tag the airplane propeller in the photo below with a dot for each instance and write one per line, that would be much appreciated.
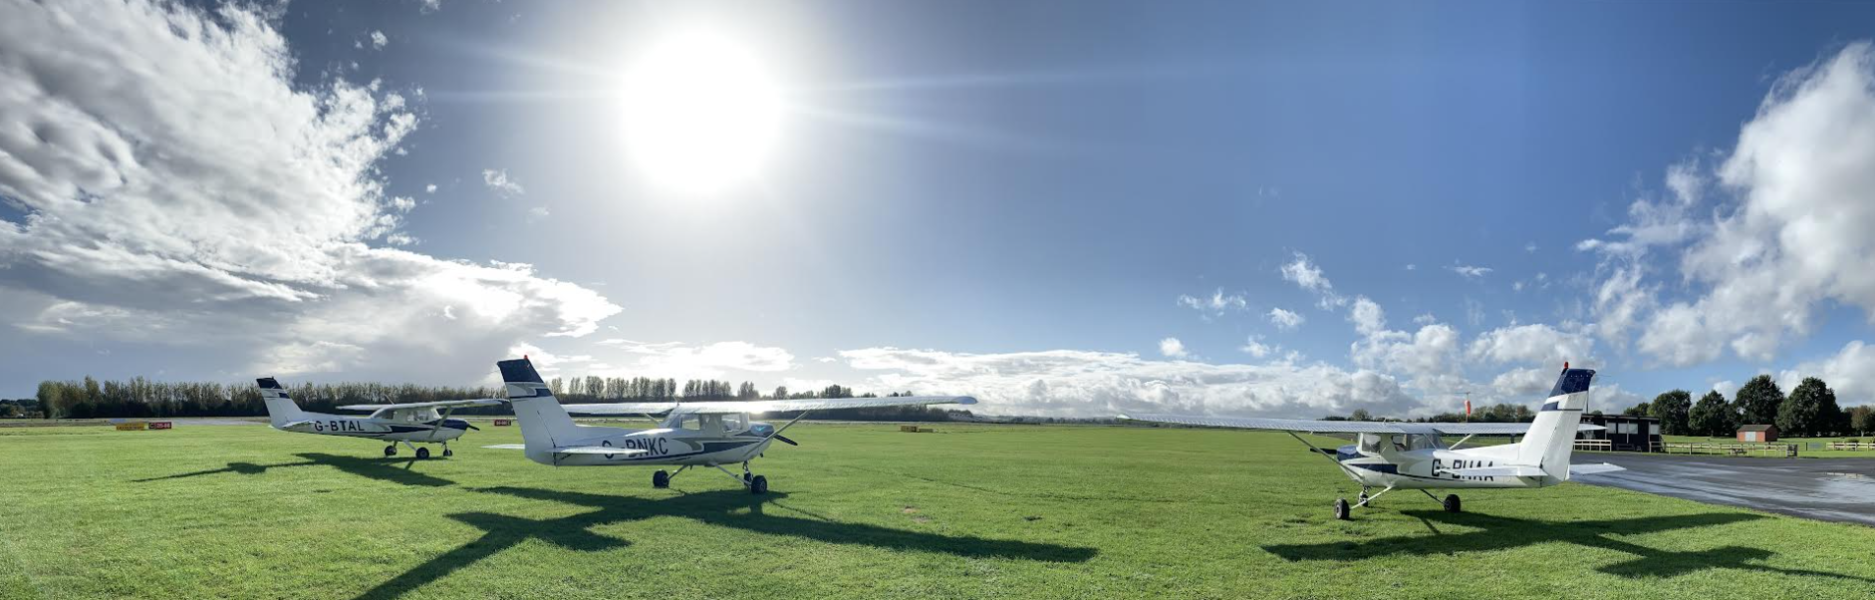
(785, 439)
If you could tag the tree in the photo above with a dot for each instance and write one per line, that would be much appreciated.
(1862, 420)
(1712, 416)
(1810, 410)
(1638, 410)
(781, 392)
(1672, 409)
(1758, 401)
(1360, 414)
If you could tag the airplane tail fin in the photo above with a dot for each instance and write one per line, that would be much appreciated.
(544, 423)
(281, 409)
(1551, 438)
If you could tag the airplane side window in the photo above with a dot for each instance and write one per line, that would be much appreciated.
(1370, 443)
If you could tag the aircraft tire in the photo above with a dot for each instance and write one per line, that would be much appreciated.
(390, 450)
(1451, 503)
(758, 485)
(448, 452)
(1341, 509)
(423, 454)
(660, 480)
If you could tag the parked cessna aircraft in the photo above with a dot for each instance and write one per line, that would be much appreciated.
(412, 422)
(1413, 455)
(697, 434)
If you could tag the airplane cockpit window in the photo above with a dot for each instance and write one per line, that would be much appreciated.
(735, 423)
(1370, 443)
(689, 422)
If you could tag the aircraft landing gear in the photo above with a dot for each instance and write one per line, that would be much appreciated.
(423, 454)
(390, 450)
(757, 484)
(660, 480)
(446, 451)
(1363, 497)
(1451, 503)
(1341, 509)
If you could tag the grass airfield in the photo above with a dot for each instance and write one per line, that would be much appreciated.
(858, 511)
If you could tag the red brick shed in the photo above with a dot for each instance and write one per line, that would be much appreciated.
(1757, 433)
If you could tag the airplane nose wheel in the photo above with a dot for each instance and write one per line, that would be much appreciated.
(660, 480)
(1341, 509)
(390, 450)
(758, 485)
(1451, 503)
(423, 454)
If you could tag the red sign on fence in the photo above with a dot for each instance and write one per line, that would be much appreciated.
(159, 424)
(503, 422)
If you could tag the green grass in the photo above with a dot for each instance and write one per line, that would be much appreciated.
(859, 511)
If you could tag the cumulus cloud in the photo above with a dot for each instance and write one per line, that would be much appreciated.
(1850, 372)
(1215, 305)
(1285, 320)
(1533, 344)
(429, 189)
(1788, 235)
(1103, 384)
(172, 172)
(1173, 348)
(1367, 317)
(1309, 277)
(498, 180)
(1255, 347)
(379, 40)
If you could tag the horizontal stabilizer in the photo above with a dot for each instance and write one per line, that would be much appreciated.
(1502, 471)
(1593, 469)
(597, 450)
(507, 447)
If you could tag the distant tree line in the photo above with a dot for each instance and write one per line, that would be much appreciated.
(90, 398)
(1496, 413)
(1810, 410)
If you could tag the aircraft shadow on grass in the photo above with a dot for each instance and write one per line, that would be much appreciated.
(1501, 533)
(722, 508)
(393, 470)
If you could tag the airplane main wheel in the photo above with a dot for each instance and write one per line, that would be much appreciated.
(423, 454)
(390, 450)
(660, 480)
(1341, 509)
(758, 485)
(1451, 503)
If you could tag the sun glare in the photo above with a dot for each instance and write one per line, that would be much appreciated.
(702, 113)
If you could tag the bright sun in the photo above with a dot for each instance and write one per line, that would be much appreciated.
(701, 113)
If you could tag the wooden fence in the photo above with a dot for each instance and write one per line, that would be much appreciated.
(1852, 445)
(1595, 446)
(1732, 449)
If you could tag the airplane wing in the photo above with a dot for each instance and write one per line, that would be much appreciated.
(575, 449)
(760, 406)
(378, 409)
(1306, 426)
(1501, 471)
(1596, 469)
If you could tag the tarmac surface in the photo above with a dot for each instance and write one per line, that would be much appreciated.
(1826, 489)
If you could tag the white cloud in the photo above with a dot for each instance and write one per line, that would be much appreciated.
(1850, 372)
(1469, 271)
(379, 40)
(1367, 317)
(175, 175)
(1309, 277)
(1103, 384)
(1255, 347)
(537, 213)
(429, 189)
(1173, 348)
(1533, 344)
(430, 6)
(1285, 320)
(499, 181)
(1726, 387)
(403, 204)
(1789, 234)
(1216, 305)
(1530, 247)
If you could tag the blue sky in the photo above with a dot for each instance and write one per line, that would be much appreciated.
(967, 197)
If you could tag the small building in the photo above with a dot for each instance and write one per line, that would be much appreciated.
(1757, 433)
(1624, 433)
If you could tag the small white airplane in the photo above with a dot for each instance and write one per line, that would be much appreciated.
(696, 434)
(411, 422)
(1413, 455)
